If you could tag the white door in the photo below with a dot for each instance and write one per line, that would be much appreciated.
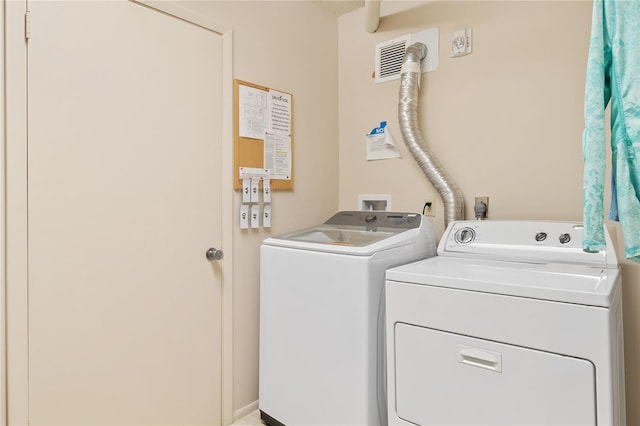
(123, 202)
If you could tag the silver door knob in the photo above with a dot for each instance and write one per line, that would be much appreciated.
(214, 254)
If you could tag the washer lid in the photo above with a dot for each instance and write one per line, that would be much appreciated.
(359, 233)
(324, 234)
(556, 282)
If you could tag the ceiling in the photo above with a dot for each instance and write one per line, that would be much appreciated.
(339, 7)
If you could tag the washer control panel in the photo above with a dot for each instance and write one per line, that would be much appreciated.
(367, 219)
(531, 241)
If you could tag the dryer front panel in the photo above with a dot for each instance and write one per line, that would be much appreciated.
(443, 378)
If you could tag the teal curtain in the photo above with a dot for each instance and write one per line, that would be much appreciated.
(613, 77)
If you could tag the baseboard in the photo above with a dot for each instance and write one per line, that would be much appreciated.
(245, 411)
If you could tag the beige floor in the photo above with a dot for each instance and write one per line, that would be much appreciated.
(252, 419)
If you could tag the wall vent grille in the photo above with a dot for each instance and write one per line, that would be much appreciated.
(389, 57)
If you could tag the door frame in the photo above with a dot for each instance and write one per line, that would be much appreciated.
(14, 327)
(3, 337)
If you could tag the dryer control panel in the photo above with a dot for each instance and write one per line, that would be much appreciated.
(529, 241)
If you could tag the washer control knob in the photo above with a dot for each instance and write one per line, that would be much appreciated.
(465, 236)
(541, 236)
(564, 238)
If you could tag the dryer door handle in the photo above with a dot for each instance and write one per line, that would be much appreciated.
(481, 358)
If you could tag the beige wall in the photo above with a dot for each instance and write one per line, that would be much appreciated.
(505, 121)
(289, 46)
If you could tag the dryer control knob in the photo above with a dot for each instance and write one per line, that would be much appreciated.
(564, 238)
(465, 236)
(541, 236)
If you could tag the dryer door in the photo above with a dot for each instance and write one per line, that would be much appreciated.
(446, 378)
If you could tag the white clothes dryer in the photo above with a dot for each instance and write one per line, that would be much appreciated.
(322, 319)
(511, 324)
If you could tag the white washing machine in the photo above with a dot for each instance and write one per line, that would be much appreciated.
(322, 319)
(511, 324)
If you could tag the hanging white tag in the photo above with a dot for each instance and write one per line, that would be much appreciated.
(244, 216)
(266, 216)
(246, 188)
(266, 190)
(255, 196)
(255, 216)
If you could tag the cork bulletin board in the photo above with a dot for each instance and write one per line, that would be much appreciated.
(262, 117)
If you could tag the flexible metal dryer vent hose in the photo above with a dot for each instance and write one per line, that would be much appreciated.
(409, 126)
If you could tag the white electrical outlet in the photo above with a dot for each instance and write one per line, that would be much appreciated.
(485, 200)
(429, 208)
